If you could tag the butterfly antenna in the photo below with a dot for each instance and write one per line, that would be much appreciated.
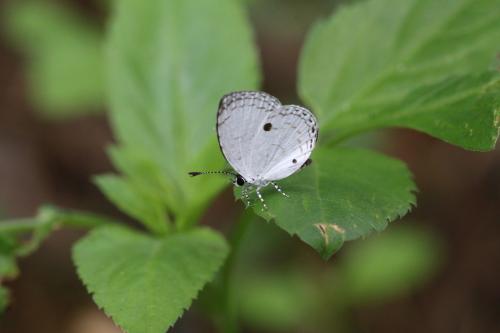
(197, 173)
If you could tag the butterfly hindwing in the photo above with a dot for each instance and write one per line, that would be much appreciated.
(297, 133)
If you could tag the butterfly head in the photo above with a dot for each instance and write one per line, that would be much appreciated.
(239, 180)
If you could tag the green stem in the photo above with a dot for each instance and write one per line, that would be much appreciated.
(230, 316)
(79, 219)
(56, 217)
(18, 226)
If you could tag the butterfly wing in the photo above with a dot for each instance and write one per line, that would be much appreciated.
(262, 139)
(239, 118)
(294, 137)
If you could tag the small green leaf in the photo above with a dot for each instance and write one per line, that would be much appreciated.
(388, 265)
(169, 64)
(64, 56)
(423, 64)
(343, 195)
(145, 283)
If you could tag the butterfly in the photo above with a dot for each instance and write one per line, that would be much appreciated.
(263, 140)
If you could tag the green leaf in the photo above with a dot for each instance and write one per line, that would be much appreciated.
(343, 195)
(64, 56)
(145, 283)
(135, 201)
(423, 64)
(169, 64)
(388, 265)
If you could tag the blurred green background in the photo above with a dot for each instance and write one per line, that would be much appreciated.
(435, 271)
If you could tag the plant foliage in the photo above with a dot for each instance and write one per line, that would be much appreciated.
(163, 96)
(424, 65)
(382, 63)
(344, 194)
(146, 283)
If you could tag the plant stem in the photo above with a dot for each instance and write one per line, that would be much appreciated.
(229, 311)
(55, 216)
(17, 226)
(72, 218)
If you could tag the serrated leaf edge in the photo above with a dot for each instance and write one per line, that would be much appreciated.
(92, 292)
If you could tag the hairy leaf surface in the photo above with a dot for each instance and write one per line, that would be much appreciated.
(343, 195)
(169, 64)
(422, 64)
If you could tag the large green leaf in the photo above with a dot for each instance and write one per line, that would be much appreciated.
(145, 283)
(344, 194)
(169, 64)
(64, 56)
(422, 64)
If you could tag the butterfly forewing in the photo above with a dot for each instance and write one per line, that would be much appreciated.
(262, 139)
(239, 116)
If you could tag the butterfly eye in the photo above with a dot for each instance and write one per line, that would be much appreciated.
(239, 181)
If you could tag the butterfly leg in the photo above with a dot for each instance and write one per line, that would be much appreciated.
(246, 196)
(264, 206)
(279, 189)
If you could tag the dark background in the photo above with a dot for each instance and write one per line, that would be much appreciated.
(47, 161)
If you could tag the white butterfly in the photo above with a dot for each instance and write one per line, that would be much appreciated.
(263, 140)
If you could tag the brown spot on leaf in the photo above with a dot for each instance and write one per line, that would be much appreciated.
(323, 229)
(338, 229)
